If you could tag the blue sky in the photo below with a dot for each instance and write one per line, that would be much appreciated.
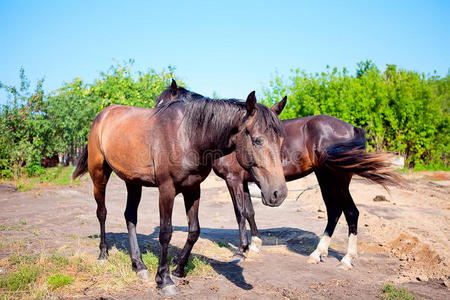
(231, 47)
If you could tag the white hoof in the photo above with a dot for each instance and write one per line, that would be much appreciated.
(313, 259)
(143, 274)
(316, 257)
(344, 266)
(346, 263)
(256, 244)
(169, 290)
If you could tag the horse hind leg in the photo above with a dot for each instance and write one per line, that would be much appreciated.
(100, 175)
(330, 186)
(351, 215)
(133, 200)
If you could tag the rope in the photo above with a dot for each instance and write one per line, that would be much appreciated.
(304, 190)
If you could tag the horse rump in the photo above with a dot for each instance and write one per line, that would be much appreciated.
(351, 157)
(82, 164)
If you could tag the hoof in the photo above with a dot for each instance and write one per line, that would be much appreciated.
(169, 290)
(256, 244)
(313, 260)
(344, 266)
(237, 258)
(176, 275)
(143, 274)
(101, 261)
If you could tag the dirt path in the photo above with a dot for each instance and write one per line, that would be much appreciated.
(405, 241)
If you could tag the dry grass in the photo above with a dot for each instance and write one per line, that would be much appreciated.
(79, 274)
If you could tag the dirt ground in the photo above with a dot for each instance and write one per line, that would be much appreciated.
(404, 240)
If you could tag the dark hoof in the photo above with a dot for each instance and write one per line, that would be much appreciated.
(169, 290)
(103, 256)
(102, 259)
(237, 258)
(143, 274)
(177, 274)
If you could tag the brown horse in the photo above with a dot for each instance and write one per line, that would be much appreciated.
(173, 148)
(331, 148)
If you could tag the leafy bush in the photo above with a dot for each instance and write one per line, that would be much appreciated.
(392, 293)
(401, 111)
(35, 126)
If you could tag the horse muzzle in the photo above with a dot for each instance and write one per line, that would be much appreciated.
(274, 197)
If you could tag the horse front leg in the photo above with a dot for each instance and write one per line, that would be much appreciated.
(191, 204)
(235, 187)
(249, 213)
(166, 198)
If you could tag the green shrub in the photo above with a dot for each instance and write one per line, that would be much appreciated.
(402, 111)
(392, 293)
(35, 125)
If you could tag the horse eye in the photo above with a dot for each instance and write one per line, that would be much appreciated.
(257, 141)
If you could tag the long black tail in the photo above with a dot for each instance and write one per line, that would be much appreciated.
(351, 156)
(82, 164)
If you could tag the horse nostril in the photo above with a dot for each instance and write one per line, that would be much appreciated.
(275, 194)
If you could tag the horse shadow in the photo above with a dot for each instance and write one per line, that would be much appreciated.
(296, 240)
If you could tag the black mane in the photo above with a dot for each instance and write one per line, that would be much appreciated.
(182, 94)
(214, 119)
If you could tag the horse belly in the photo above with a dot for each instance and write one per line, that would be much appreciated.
(128, 152)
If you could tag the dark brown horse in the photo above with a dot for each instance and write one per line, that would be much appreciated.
(173, 148)
(331, 148)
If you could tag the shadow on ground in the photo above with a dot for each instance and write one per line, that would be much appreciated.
(296, 240)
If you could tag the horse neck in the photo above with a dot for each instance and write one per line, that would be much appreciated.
(218, 143)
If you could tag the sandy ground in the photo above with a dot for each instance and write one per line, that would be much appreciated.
(404, 240)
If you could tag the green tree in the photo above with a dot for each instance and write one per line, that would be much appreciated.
(402, 111)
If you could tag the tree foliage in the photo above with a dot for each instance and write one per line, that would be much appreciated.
(35, 126)
(402, 111)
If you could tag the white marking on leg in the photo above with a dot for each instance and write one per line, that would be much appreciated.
(255, 244)
(321, 250)
(352, 252)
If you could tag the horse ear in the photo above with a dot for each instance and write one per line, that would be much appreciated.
(278, 108)
(251, 103)
(173, 87)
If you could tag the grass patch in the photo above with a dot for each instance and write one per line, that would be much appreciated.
(198, 267)
(151, 261)
(53, 176)
(58, 259)
(58, 280)
(62, 275)
(390, 292)
(221, 244)
(21, 278)
(18, 259)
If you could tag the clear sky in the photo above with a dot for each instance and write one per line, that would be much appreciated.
(231, 47)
